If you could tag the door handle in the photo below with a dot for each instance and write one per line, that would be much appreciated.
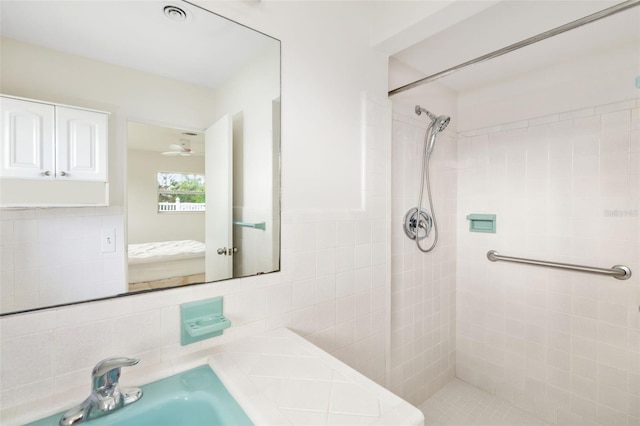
(228, 251)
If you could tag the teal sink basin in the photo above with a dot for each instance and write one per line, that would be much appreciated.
(195, 397)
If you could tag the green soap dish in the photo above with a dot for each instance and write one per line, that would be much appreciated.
(202, 320)
(201, 326)
(482, 223)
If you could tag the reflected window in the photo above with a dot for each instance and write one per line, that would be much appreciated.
(180, 192)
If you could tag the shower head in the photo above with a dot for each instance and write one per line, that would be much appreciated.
(441, 123)
(437, 123)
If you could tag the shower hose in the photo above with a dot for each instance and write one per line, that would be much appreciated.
(424, 177)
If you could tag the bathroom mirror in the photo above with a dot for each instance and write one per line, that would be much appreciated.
(194, 104)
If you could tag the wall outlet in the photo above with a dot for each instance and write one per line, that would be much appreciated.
(108, 240)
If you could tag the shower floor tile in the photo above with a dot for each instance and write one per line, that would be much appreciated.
(461, 404)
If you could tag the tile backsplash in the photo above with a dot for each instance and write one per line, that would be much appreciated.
(53, 256)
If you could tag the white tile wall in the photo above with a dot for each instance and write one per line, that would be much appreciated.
(333, 289)
(562, 345)
(423, 284)
(54, 256)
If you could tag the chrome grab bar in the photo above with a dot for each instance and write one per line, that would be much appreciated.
(619, 272)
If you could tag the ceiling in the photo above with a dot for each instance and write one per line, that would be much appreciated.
(138, 35)
(150, 137)
(508, 22)
(114, 35)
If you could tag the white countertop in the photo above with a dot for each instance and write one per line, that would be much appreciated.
(279, 378)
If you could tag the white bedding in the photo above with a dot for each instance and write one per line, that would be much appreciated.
(165, 250)
(165, 259)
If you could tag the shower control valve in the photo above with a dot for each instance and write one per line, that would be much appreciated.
(417, 225)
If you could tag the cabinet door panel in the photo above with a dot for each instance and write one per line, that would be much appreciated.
(82, 144)
(27, 139)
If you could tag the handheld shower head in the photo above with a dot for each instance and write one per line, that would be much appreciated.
(438, 124)
(441, 123)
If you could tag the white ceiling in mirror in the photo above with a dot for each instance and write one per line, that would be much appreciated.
(512, 21)
(111, 31)
(149, 137)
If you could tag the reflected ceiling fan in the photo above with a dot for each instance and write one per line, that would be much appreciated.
(181, 149)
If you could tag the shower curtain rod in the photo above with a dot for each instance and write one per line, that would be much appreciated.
(515, 46)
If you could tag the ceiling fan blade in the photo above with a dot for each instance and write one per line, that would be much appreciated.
(171, 153)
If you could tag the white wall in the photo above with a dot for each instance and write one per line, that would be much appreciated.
(144, 223)
(248, 97)
(333, 287)
(576, 83)
(560, 166)
(327, 62)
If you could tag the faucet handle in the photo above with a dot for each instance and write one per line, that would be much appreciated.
(107, 371)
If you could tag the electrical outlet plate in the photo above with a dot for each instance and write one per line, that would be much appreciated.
(108, 240)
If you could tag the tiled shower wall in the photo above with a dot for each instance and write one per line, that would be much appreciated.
(423, 284)
(563, 345)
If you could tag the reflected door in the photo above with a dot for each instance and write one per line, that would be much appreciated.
(218, 176)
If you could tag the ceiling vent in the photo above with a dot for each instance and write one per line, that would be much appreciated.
(175, 13)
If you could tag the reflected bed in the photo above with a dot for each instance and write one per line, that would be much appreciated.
(165, 263)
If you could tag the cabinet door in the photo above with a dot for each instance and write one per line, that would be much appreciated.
(27, 139)
(81, 138)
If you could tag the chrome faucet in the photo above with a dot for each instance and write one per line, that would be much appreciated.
(106, 394)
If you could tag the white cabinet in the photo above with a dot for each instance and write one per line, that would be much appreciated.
(81, 138)
(47, 141)
(27, 139)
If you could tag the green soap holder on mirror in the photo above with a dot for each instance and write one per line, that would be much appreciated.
(202, 320)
